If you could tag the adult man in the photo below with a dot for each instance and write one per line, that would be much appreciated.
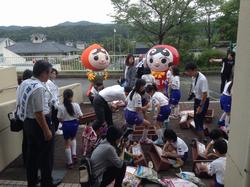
(55, 94)
(38, 129)
(227, 68)
(201, 102)
(103, 102)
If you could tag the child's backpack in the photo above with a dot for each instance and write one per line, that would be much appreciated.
(89, 139)
(85, 173)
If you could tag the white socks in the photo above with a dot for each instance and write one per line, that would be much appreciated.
(68, 155)
(177, 110)
(227, 121)
(145, 134)
(73, 147)
(223, 116)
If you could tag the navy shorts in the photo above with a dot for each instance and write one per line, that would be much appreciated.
(133, 118)
(164, 113)
(225, 103)
(184, 157)
(166, 87)
(175, 96)
(199, 118)
(217, 184)
(69, 129)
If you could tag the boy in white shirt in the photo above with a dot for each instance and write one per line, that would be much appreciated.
(175, 147)
(218, 166)
(201, 101)
(148, 77)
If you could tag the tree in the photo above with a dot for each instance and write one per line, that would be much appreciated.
(228, 22)
(208, 11)
(153, 18)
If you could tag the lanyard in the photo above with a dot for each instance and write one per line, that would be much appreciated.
(196, 79)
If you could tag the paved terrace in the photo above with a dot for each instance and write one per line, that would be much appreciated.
(14, 174)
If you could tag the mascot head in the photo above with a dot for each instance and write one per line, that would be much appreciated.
(159, 56)
(95, 58)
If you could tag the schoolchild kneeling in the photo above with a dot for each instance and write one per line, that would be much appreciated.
(175, 148)
(161, 104)
(68, 115)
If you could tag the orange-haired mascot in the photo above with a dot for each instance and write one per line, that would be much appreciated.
(158, 58)
(95, 59)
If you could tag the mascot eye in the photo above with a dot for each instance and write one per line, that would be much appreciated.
(151, 60)
(164, 61)
(96, 58)
(107, 57)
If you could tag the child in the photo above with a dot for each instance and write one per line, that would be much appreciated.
(68, 113)
(98, 86)
(160, 102)
(218, 166)
(215, 135)
(175, 94)
(169, 76)
(225, 102)
(148, 77)
(134, 107)
(175, 147)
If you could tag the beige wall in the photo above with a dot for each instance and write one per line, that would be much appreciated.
(238, 158)
(10, 142)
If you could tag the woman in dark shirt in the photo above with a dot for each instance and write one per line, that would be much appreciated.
(130, 72)
(227, 68)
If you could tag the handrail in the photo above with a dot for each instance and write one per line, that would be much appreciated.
(8, 88)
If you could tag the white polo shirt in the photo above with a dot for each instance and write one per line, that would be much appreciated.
(54, 91)
(225, 92)
(113, 93)
(64, 115)
(136, 102)
(48, 97)
(201, 86)
(175, 82)
(217, 168)
(169, 75)
(159, 98)
(150, 80)
(181, 147)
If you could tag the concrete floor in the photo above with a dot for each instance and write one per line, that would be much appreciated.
(16, 171)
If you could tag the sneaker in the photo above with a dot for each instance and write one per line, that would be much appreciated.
(145, 141)
(74, 158)
(158, 142)
(59, 132)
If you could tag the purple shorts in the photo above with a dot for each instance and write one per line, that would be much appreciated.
(175, 96)
(226, 102)
(164, 113)
(69, 129)
(133, 118)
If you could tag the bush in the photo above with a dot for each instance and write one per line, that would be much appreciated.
(203, 59)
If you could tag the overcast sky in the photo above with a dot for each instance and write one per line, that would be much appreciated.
(52, 12)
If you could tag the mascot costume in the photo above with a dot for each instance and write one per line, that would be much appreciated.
(158, 58)
(95, 59)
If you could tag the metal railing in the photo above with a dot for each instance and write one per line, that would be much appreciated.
(62, 63)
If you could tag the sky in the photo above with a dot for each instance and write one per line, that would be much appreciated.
(52, 12)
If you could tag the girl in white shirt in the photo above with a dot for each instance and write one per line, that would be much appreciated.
(68, 114)
(226, 102)
(175, 94)
(161, 104)
(134, 107)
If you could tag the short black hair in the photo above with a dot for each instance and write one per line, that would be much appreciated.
(170, 64)
(151, 88)
(54, 70)
(98, 82)
(40, 67)
(191, 66)
(169, 134)
(127, 89)
(232, 53)
(175, 70)
(27, 74)
(113, 134)
(215, 134)
(147, 70)
(220, 146)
